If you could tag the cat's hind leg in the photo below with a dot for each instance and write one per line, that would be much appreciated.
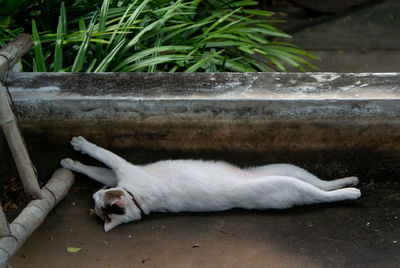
(302, 174)
(103, 175)
(340, 183)
(281, 192)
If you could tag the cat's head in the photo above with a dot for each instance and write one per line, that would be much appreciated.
(115, 206)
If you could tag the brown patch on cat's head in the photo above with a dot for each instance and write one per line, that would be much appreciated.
(114, 203)
(111, 196)
(114, 207)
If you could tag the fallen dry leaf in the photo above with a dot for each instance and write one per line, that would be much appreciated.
(73, 250)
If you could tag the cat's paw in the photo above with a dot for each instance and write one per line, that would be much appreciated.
(79, 144)
(352, 181)
(69, 163)
(351, 193)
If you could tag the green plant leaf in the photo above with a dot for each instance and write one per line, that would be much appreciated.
(236, 66)
(157, 43)
(37, 48)
(144, 35)
(103, 15)
(257, 12)
(58, 47)
(102, 67)
(63, 14)
(132, 19)
(82, 26)
(119, 25)
(91, 66)
(153, 25)
(102, 25)
(138, 56)
(198, 64)
(215, 24)
(80, 57)
(156, 60)
(244, 3)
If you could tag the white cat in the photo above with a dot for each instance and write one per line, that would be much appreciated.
(195, 185)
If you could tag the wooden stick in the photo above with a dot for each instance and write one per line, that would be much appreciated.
(35, 213)
(18, 149)
(14, 50)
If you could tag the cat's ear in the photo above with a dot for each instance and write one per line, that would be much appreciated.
(121, 201)
(108, 225)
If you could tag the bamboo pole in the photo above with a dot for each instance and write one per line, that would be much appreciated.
(4, 228)
(13, 236)
(9, 55)
(14, 50)
(18, 149)
(34, 214)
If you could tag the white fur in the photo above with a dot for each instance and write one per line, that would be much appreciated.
(196, 185)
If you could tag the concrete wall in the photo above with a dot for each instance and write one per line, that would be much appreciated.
(319, 120)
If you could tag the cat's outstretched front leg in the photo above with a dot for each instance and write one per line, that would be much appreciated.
(103, 175)
(110, 159)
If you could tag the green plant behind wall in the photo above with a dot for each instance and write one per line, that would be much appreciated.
(167, 36)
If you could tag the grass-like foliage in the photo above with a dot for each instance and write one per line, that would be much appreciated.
(162, 36)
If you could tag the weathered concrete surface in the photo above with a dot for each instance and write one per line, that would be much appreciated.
(373, 27)
(214, 112)
(325, 122)
(360, 39)
(359, 61)
(328, 6)
(364, 233)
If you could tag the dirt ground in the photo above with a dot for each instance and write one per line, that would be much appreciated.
(362, 233)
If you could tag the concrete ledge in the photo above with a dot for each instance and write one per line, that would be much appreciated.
(230, 112)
